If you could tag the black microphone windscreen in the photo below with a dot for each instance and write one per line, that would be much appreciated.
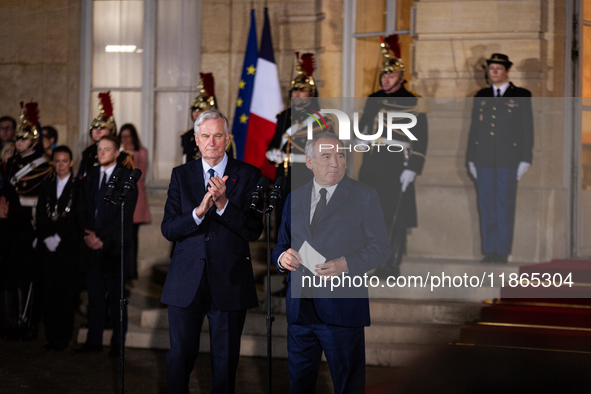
(263, 182)
(136, 174)
(119, 173)
(280, 182)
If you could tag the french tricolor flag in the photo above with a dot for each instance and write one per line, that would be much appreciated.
(265, 105)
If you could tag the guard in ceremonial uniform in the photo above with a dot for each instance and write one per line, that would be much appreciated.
(500, 151)
(26, 171)
(286, 149)
(28, 168)
(392, 174)
(205, 100)
(103, 124)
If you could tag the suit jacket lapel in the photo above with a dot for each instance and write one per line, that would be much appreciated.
(65, 196)
(197, 179)
(306, 202)
(233, 177)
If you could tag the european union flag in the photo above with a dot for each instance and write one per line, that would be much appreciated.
(242, 113)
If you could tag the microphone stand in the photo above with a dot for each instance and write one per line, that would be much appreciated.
(120, 199)
(270, 318)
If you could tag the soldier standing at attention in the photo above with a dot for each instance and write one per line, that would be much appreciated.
(500, 151)
(391, 174)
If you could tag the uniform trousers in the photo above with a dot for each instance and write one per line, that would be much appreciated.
(497, 193)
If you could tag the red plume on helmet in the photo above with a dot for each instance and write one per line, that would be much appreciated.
(31, 112)
(107, 104)
(393, 43)
(308, 63)
(208, 83)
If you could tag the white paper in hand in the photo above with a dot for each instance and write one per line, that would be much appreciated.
(310, 257)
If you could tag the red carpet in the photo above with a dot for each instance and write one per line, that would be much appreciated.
(541, 318)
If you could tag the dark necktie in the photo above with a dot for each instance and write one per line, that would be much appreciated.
(211, 173)
(498, 92)
(319, 209)
(103, 183)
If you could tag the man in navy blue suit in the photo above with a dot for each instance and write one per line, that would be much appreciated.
(343, 221)
(207, 214)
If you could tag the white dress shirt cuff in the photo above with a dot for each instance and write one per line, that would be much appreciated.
(279, 266)
(196, 218)
(221, 211)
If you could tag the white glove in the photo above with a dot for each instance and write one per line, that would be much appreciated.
(522, 169)
(472, 169)
(35, 243)
(406, 178)
(52, 242)
(275, 156)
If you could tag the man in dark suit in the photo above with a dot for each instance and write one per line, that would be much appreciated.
(57, 249)
(342, 220)
(207, 214)
(500, 151)
(101, 252)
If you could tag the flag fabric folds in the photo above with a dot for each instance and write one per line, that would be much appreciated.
(245, 89)
(266, 104)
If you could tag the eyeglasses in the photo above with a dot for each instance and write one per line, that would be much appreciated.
(7, 128)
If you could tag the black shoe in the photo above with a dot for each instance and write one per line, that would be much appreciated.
(59, 347)
(89, 348)
(50, 346)
(501, 259)
(489, 258)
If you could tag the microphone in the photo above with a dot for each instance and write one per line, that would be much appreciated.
(129, 185)
(259, 192)
(276, 193)
(113, 184)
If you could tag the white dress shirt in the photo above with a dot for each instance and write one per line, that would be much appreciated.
(503, 88)
(61, 184)
(219, 169)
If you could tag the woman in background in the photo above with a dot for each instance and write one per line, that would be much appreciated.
(131, 142)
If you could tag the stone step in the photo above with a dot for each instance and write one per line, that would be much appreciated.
(393, 311)
(256, 346)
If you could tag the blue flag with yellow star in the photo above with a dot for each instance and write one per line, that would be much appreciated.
(242, 113)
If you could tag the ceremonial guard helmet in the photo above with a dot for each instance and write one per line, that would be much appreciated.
(105, 119)
(206, 98)
(29, 127)
(390, 48)
(304, 69)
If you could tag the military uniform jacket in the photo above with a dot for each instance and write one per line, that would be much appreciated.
(28, 185)
(501, 133)
(400, 101)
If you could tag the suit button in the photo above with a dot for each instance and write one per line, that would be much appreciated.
(202, 259)
(491, 133)
(494, 117)
(514, 144)
(206, 239)
(492, 125)
(476, 142)
(494, 108)
(509, 110)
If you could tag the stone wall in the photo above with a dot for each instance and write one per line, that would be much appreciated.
(39, 61)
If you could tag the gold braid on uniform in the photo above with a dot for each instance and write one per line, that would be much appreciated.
(46, 173)
(231, 145)
(128, 161)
